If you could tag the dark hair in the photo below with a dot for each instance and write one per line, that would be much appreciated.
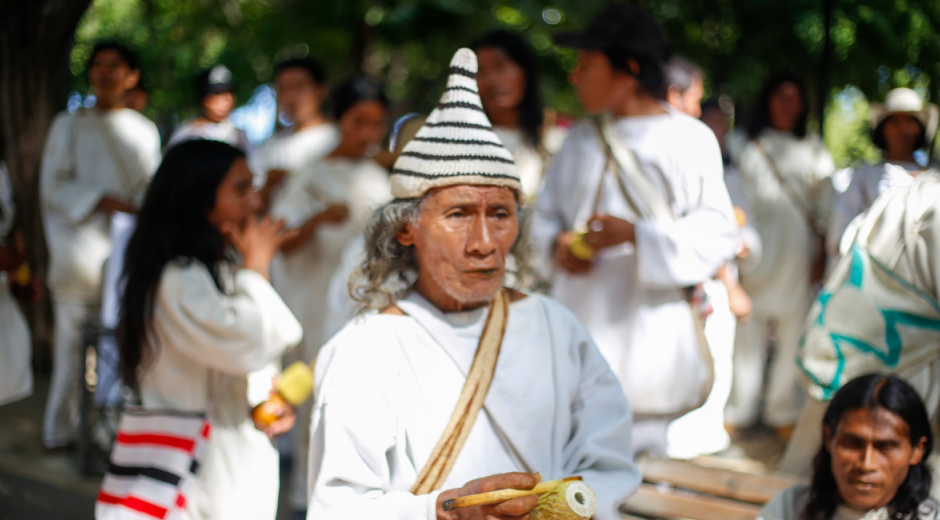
(680, 73)
(894, 395)
(878, 135)
(761, 117)
(311, 66)
(355, 90)
(172, 226)
(129, 57)
(531, 109)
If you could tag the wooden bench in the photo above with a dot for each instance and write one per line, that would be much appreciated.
(675, 489)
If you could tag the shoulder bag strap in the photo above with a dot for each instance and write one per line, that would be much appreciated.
(788, 189)
(442, 459)
(116, 158)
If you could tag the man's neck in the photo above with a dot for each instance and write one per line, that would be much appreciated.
(899, 157)
(504, 118)
(309, 123)
(639, 103)
(440, 299)
(105, 105)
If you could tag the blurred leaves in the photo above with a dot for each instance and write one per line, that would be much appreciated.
(877, 44)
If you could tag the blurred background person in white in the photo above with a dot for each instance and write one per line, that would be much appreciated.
(510, 87)
(786, 172)
(301, 88)
(215, 94)
(328, 204)
(901, 126)
(96, 161)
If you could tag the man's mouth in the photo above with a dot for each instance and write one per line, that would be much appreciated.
(483, 272)
(863, 485)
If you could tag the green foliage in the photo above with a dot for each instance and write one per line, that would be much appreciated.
(877, 44)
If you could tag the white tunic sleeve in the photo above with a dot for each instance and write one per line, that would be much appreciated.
(355, 463)
(787, 505)
(849, 205)
(236, 333)
(60, 189)
(599, 448)
(693, 247)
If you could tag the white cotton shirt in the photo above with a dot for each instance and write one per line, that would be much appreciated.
(868, 183)
(78, 169)
(212, 350)
(632, 301)
(789, 505)
(290, 150)
(223, 131)
(780, 282)
(386, 387)
(302, 277)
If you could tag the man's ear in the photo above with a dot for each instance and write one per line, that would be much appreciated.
(406, 235)
(917, 454)
(634, 67)
(827, 436)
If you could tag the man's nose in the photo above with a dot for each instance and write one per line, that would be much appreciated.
(482, 240)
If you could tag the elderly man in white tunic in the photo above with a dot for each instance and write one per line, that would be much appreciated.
(457, 385)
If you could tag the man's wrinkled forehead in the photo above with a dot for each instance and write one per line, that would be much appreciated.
(469, 194)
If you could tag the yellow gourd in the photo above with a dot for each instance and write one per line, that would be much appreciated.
(573, 500)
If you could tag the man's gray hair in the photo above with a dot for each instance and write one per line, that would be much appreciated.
(390, 268)
(681, 72)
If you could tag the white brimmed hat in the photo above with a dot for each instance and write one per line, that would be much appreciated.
(457, 144)
(906, 101)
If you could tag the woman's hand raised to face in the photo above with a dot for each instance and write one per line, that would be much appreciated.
(258, 242)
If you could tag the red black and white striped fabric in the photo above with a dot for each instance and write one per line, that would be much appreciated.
(154, 461)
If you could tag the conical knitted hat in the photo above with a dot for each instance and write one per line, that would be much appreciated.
(457, 144)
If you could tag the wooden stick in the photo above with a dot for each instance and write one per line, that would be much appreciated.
(496, 497)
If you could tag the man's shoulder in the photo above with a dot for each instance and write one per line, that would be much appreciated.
(557, 315)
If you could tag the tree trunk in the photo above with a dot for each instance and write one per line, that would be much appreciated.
(35, 40)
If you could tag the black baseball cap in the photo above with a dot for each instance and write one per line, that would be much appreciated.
(622, 29)
(216, 80)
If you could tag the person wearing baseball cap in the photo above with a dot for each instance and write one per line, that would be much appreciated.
(633, 213)
(900, 126)
(215, 93)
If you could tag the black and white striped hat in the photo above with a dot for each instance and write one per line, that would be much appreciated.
(457, 144)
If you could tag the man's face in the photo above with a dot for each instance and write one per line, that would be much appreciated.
(501, 80)
(598, 85)
(298, 94)
(901, 133)
(689, 101)
(363, 126)
(785, 107)
(217, 107)
(871, 455)
(110, 77)
(462, 238)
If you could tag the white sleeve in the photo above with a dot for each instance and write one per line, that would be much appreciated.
(849, 205)
(151, 157)
(691, 249)
(236, 333)
(352, 444)
(599, 448)
(824, 194)
(61, 190)
(295, 204)
(787, 505)
(547, 217)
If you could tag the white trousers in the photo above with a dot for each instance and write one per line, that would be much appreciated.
(62, 408)
(783, 397)
(702, 431)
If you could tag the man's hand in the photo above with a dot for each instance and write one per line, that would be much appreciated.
(739, 302)
(286, 417)
(333, 214)
(515, 509)
(10, 258)
(274, 178)
(109, 206)
(606, 231)
(566, 260)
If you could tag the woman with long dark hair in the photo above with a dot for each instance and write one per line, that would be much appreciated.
(509, 81)
(786, 173)
(328, 203)
(873, 461)
(199, 320)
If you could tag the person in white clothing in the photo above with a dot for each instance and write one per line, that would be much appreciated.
(203, 332)
(631, 295)
(16, 349)
(509, 80)
(95, 162)
(328, 203)
(873, 462)
(900, 127)
(215, 93)
(787, 175)
(389, 437)
(301, 88)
